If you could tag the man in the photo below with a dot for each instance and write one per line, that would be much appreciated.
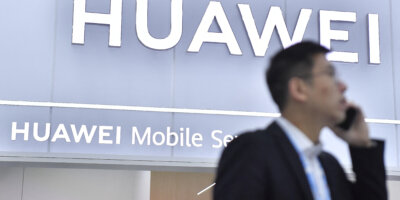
(285, 161)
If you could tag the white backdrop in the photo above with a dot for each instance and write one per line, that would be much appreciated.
(40, 64)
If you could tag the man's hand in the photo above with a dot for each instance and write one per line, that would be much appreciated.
(358, 134)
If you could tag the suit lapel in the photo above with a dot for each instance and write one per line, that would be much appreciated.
(337, 181)
(292, 157)
(329, 179)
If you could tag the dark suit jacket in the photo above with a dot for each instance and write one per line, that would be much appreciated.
(263, 165)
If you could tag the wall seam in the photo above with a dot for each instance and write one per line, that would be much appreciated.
(173, 94)
(286, 18)
(23, 181)
(394, 82)
(53, 67)
(54, 52)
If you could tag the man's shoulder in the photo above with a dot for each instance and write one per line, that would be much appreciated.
(330, 163)
(327, 156)
(250, 146)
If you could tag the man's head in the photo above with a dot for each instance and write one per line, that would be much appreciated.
(301, 76)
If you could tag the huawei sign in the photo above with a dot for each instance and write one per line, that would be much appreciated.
(259, 43)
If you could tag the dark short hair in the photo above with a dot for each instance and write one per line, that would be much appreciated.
(295, 61)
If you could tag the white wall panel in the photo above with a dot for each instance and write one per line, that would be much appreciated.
(394, 189)
(85, 184)
(11, 179)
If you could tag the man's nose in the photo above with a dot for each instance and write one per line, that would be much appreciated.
(342, 86)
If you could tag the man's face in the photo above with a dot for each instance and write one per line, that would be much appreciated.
(326, 92)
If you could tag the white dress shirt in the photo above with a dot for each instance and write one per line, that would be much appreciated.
(308, 153)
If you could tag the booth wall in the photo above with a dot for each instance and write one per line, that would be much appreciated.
(20, 183)
(25, 183)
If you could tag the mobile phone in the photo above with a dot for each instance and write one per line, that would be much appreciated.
(351, 114)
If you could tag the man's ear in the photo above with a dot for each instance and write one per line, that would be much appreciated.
(297, 89)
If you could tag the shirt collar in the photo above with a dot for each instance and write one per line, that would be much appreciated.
(299, 139)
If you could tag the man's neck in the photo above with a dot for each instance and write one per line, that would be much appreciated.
(307, 124)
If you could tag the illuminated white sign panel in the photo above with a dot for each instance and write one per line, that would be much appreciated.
(215, 10)
(145, 102)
